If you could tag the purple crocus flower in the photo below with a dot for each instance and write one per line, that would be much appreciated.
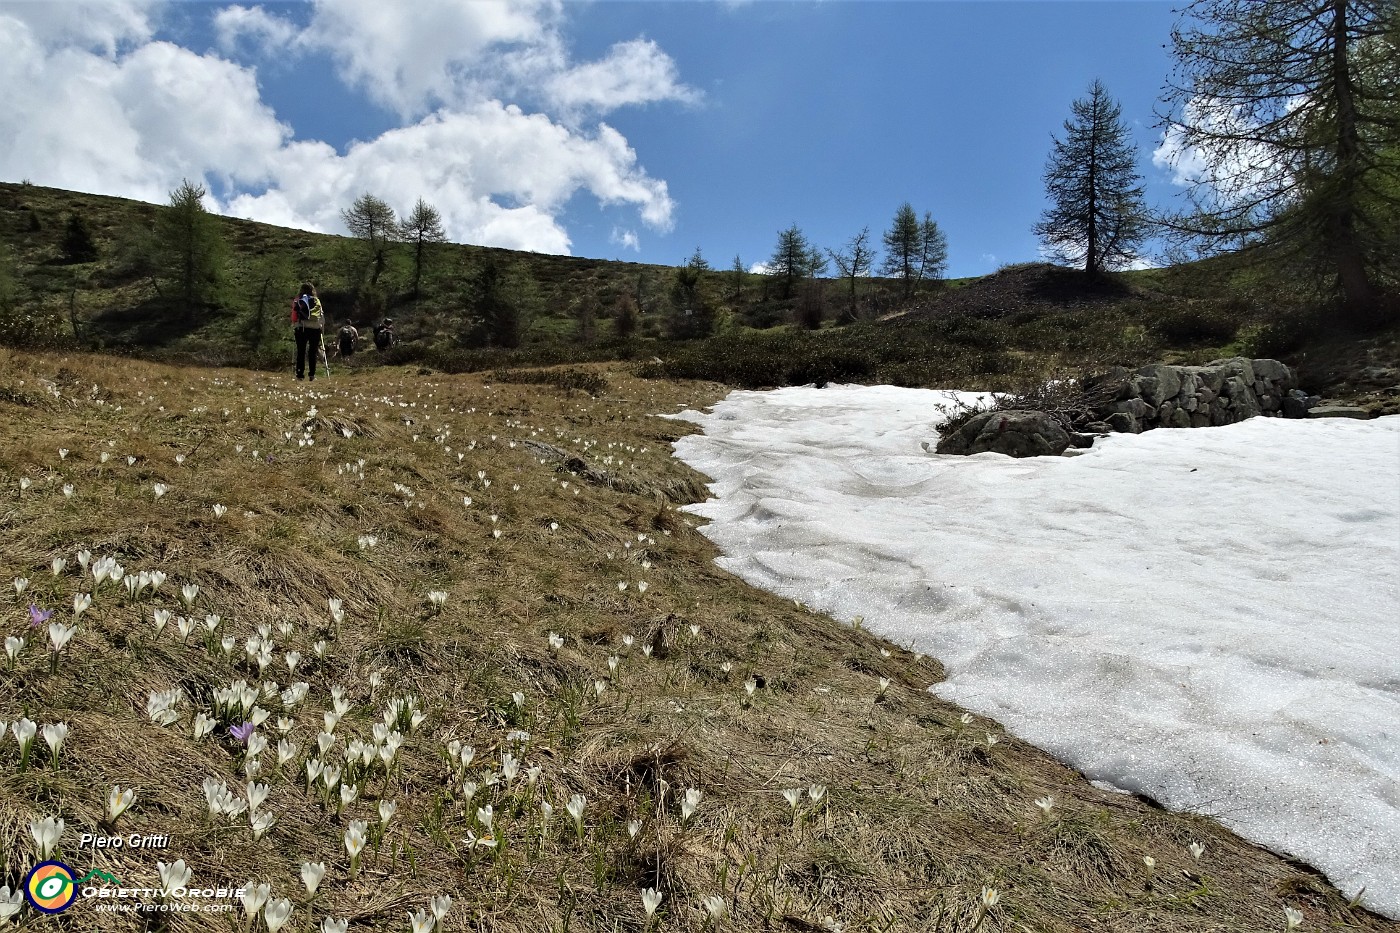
(242, 732)
(37, 616)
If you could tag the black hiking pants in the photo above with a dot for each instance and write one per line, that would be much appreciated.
(308, 349)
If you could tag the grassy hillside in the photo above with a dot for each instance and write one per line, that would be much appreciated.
(1017, 327)
(757, 765)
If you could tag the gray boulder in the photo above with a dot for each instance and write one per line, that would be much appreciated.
(1013, 433)
(1338, 411)
(1159, 382)
(1123, 423)
(1235, 366)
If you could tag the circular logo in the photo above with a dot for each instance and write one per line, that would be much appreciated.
(49, 887)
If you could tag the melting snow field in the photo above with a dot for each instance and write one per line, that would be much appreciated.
(1209, 617)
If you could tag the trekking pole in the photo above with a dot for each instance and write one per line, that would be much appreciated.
(324, 362)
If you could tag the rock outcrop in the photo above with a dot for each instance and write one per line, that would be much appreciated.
(1156, 396)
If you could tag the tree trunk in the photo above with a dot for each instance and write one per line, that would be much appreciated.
(1358, 292)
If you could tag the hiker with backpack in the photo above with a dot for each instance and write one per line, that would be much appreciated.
(384, 334)
(307, 320)
(348, 336)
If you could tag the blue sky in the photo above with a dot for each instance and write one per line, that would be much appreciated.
(624, 130)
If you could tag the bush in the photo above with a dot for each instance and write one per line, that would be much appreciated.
(759, 361)
(569, 380)
(1199, 326)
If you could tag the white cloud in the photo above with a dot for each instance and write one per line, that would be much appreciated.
(465, 164)
(268, 32)
(627, 239)
(134, 125)
(101, 24)
(760, 268)
(107, 109)
(413, 57)
(635, 72)
(1236, 167)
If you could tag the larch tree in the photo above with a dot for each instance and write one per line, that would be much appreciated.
(1284, 120)
(794, 259)
(372, 220)
(854, 262)
(915, 249)
(1097, 217)
(419, 229)
(190, 250)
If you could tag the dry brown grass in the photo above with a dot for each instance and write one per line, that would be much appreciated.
(920, 812)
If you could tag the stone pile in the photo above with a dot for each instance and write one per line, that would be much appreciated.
(1222, 392)
(1156, 396)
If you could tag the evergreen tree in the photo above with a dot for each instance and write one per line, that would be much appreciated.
(500, 303)
(624, 316)
(737, 272)
(372, 220)
(692, 311)
(794, 259)
(421, 227)
(586, 313)
(1293, 106)
(1096, 217)
(78, 243)
(915, 249)
(190, 249)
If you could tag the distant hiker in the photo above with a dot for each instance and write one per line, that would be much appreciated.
(307, 319)
(384, 334)
(348, 336)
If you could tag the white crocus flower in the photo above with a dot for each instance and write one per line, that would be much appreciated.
(1292, 918)
(13, 646)
(1196, 850)
(174, 875)
(421, 921)
(57, 565)
(21, 584)
(387, 809)
(82, 602)
(690, 803)
(331, 925)
(311, 875)
(160, 489)
(261, 823)
(1046, 804)
(793, 795)
(651, 899)
(254, 897)
(576, 806)
(10, 901)
(276, 914)
(257, 793)
(188, 593)
(118, 801)
(60, 635)
(46, 833)
(440, 905)
(55, 734)
(714, 906)
(355, 843)
(220, 510)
